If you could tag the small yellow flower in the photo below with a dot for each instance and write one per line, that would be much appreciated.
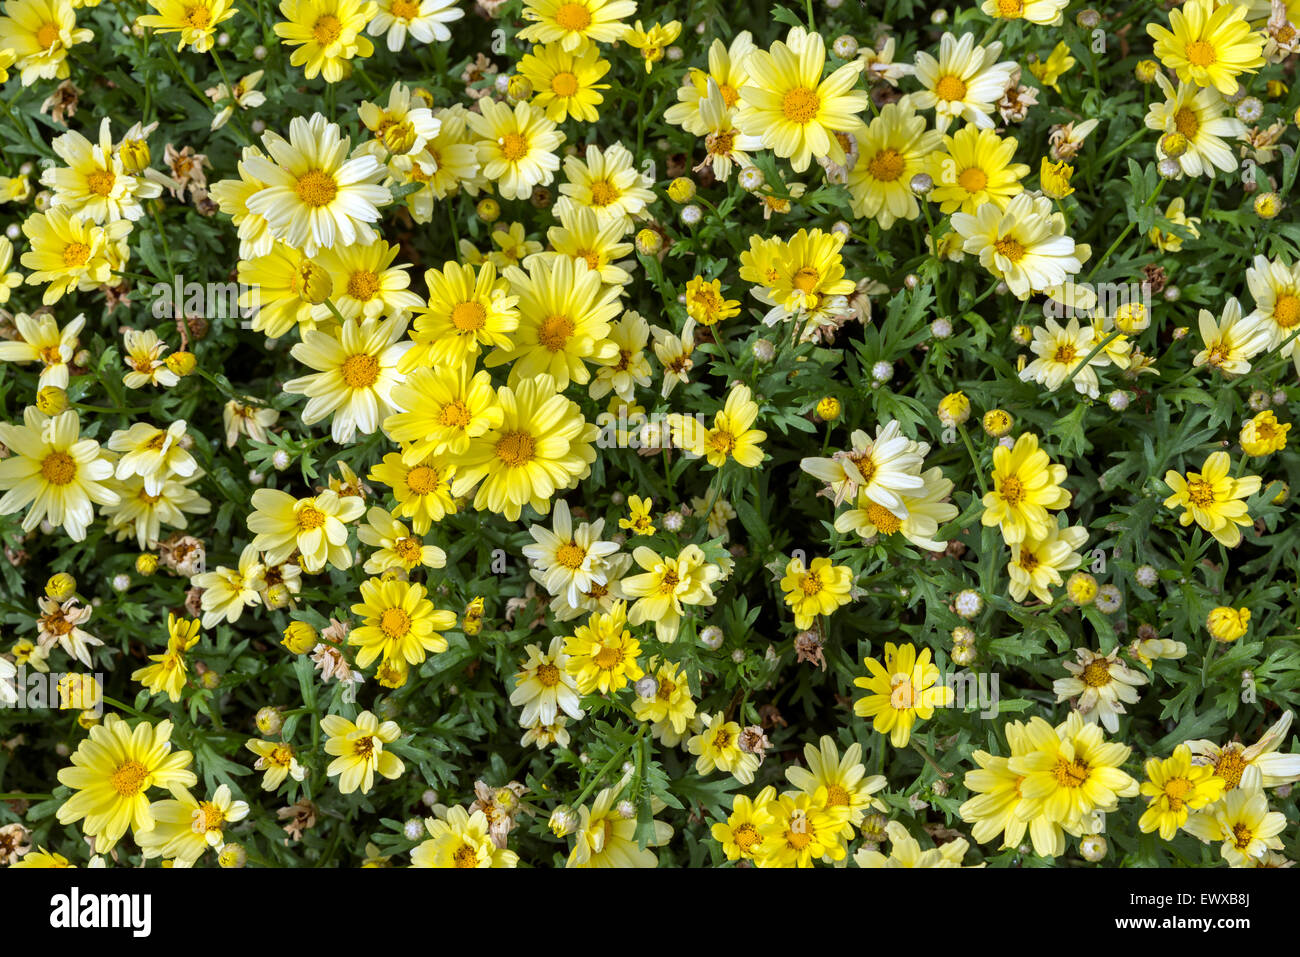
(1264, 435)
(1055, 178)
(817, 589)
(1228, 624)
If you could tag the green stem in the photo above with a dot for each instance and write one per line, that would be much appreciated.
(24, 796)
(1096, 350)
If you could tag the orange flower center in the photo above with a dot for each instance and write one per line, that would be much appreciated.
(516, 449)
(129, 778)
(800, 105)
(360, 371)
(316, 187)
(58, 468)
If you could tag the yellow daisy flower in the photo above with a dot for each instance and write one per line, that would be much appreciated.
(195, 20)
(110, 774)
(565, 83)
(1025, 485)
(516, 148)
(1176, 787)
(576, 24)
(602, 653)
(791, 107)
(1209, 44)
(40, 33)
(973, 168)
(53, 472)
(1213, 498)
(358, 750)
(903, 691)
(327, 34)
(315, 526)
(817, 589)
(422, 489)
(398, 622)
(315, 195)
(894, 147)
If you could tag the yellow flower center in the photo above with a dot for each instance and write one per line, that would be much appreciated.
(950, 88)
(1096, 674)
(555, 331)
(516, 449)
(1011, 9)
(573, 16)
(75, 254)
(1012, 492)
(58, 468)
(100, 182)
(360, 371)
(394, 622)
(972, 179)
(806, 279)
(885, 521)
(902, 694)
(798, 839)
(746, 836)
(721, 144)
(129, 778)
(404, 9)
(1185, 122)
(1230, 766)
(590, 257)
(327, 29)
(1028, 561)
(468, 316)
(197, 17)
(800, 105)
(666, 688)
(209, 818)
(362, 285)
(465, 856)
(47, 34)
(729, 94)
(363, 746)
(1286, 311)
(668, 584)
(603, 192)
(608, 658)
(514, 147)
(316, 187)
(811, 584)
(281, 755)
(422, 480)
(1200, 53)
(310, 517)
(1176, 791)
(1242, 835)
(454, 415)
(1070, 774)
(548, 676)
(1200, 493)
(836, 796)
(1065, 354)
(564, 83)
(570, 555)
(1010, 248)
(722, 740)
(409, 549)
(887, 165)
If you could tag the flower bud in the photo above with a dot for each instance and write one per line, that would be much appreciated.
(1228, 624)
(997, 423)
(269, 720)
(488, 209)
(146, 564)
(829, 408)
(52, 400)
(316, 285)
(134, 155)
(181, 363)
(681, 190)
(300, 637)
(649, 242)
(61, 587)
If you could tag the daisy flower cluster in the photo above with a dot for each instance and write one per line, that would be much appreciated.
(586, 433)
